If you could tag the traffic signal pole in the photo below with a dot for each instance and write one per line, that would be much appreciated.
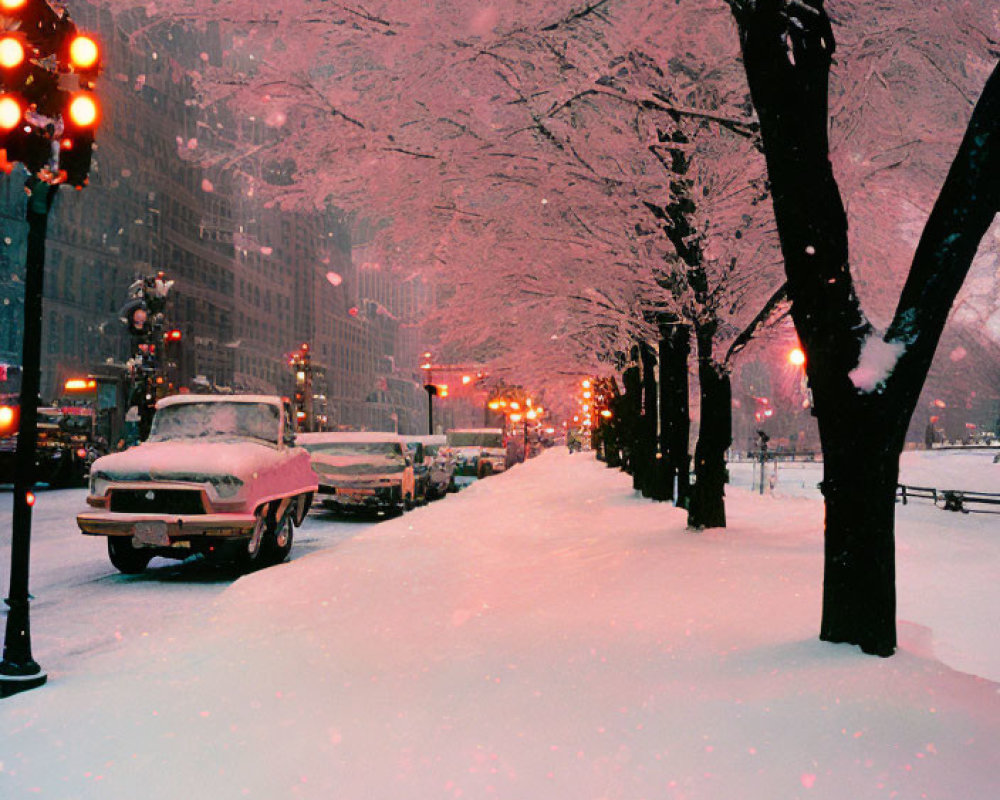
(18, 670)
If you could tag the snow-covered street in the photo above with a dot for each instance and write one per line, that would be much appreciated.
(544, 634)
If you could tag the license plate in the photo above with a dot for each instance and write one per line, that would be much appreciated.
(150, 533)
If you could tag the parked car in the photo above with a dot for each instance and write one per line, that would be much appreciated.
(440, 464)
(478, 453)
(366, 471)
(219, 475)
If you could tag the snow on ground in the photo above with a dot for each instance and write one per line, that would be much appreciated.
(544, 634)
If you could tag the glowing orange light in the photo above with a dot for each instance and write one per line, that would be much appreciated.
(12, 5)
(83, 52)
(11, 52)
(515, 405)
(83, 110)
(466, 379)
(494, 405)
(796, 357)
(29, 498)
(6, 416)
(81, 452)
(585, 383)
(605, 413)
(10, 113)
(443, 390)
(515, 417)
(79, 384)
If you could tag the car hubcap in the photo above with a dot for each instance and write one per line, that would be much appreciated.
(283, 531)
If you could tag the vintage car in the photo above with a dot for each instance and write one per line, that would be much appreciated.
(478, 453)
(364, 471)
(440, 464)
(218, 475)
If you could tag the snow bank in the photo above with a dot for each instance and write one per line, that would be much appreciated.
(544, 634)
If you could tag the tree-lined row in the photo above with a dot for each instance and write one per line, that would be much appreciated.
(587, 176)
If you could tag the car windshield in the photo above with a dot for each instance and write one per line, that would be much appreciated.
(475, 439)
(223, 420)
(356, 458)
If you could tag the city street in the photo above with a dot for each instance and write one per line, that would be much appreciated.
(545, 633)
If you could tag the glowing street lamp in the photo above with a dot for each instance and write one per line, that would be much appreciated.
(796, 357)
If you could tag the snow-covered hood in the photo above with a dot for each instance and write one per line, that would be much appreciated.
(183, 457)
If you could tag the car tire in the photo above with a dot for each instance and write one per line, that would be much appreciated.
(254, 554)
(277, 543)
(126, 557)
(302, 505)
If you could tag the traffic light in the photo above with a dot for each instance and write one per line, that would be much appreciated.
(135, 315)
(48, 112)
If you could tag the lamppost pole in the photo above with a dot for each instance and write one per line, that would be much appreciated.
(18, 670)
(431, 390)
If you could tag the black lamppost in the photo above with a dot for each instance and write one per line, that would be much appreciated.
(18, 670)
(432, 391)
(48, 114)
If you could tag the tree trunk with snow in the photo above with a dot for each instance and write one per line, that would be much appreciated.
(647, 436)
(632, 381)
(864, 386)
(715, 434)
(675, 427)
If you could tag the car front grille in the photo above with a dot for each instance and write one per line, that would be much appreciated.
(157, 501)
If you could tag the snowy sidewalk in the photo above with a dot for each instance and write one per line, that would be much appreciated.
(545, 634)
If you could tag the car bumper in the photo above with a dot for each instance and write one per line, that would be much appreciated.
(381, 497)
(174, 527)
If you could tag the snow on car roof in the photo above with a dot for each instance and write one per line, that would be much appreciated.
(176, 399)
(426, 439)
(346, 436)
(475, 430)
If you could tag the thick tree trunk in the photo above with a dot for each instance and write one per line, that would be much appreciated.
(649, 422)
(675, 348)
(787, 49)
(862, 441)
(632, 406)
(715, 434)
(667, 470)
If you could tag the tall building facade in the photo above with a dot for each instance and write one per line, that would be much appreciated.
(250, 284)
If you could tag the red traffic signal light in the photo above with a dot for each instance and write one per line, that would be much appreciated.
(172, 336)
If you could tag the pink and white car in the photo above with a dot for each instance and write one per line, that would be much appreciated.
(219, 475)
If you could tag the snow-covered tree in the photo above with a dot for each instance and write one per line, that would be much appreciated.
(865, 383)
